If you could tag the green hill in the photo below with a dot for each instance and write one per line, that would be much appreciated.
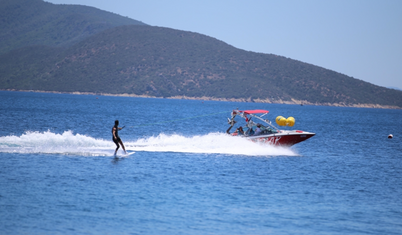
(35, 22)
(143, 60)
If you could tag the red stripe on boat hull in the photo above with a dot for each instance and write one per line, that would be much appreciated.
(283, 140)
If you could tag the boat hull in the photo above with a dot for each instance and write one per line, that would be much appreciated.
(282, 139)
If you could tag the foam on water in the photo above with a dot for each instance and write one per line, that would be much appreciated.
(211, 143)
(69, 143)
(52, 143)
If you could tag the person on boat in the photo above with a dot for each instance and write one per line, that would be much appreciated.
(239, 131)
(258, 129)
(116, 138)
(249, 131)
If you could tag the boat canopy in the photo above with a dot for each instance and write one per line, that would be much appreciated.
(255, 111)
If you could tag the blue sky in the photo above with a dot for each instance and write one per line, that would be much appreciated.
(358, 38)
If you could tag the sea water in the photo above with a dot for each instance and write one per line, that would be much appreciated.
(58, 174)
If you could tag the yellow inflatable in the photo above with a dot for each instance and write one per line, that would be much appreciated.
(281, 121)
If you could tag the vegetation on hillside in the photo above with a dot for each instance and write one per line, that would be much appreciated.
(35, 22)
(162, 62)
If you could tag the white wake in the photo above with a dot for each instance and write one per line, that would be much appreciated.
(69, 143)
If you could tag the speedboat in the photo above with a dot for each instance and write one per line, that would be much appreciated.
(261, 130)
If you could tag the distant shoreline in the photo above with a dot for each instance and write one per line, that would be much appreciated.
(266, 101)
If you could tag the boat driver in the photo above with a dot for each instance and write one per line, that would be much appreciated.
(258, 129)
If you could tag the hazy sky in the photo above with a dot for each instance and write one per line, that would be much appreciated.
(358, 38)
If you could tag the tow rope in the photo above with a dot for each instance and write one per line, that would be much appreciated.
(175, 120)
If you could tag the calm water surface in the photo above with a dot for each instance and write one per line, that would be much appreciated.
(58, 174)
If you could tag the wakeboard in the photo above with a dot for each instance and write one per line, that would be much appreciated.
(121, 155)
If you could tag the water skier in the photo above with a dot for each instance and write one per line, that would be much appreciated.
(116, 138)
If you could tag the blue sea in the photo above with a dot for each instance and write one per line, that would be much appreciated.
(184, 175)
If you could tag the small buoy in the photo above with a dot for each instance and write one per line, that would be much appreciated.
(390, 136)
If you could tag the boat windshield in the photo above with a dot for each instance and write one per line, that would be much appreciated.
(263, 130)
